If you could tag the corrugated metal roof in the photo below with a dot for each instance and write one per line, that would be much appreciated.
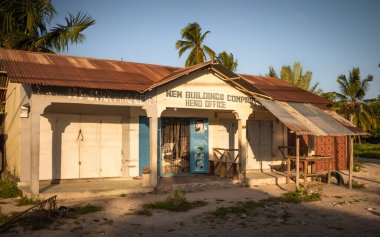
(178, 74)
(59, 70)
(68, 71)
(304, 118)
(283, 91)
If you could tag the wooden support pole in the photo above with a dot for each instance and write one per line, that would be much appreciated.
(297, 162)
(351, 161)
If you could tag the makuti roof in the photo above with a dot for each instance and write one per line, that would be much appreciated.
(69, 71)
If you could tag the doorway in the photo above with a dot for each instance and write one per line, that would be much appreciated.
(260, 143)
(75, 146)
(184, 146)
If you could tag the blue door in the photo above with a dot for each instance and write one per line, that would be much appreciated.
(144, 146)
(199, 145)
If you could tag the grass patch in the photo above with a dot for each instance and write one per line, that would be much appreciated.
(367, 150)
(175, 202)
(143, 212)
(25, 201)
(9, 189)
(79, 210)
(357, 185)
(301, 195)
(244, 208)
(247, 207)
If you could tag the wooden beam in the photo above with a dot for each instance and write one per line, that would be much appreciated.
(351, 161)
(297, 162)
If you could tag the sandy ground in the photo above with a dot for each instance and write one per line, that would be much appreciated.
(342, 212)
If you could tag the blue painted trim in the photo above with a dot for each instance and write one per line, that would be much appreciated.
(144, 143)
(201, 141)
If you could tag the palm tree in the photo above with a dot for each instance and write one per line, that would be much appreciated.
(228, 61)
(295, 76)
(192, 39)
(23, 25)
(351, 99)
(272, 72)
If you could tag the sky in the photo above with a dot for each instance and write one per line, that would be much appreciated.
(328, 37)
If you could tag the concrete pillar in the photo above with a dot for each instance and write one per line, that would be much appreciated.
(37, 108)
(153, 113)
(243, 146)
(153, 138)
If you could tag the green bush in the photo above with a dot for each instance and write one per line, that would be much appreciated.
(367, 150)
(9, 189)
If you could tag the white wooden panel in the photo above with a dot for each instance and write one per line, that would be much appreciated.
(253, 133)
(84, 146)
(90, 147)
(67, 146)
(265, 144)
(227, 132)
(227, 135)
(111, 144)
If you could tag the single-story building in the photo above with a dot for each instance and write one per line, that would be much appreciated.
(73, 118)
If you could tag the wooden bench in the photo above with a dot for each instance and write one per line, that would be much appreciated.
(226, 162)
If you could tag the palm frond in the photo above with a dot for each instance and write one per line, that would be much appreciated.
(61, 36)
(209, 52)
(192, 39)
(272, 72)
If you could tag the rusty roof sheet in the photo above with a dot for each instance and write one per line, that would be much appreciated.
(68, 71)
(59, 70)
(304, 118)
(178, 74)
(283, 91)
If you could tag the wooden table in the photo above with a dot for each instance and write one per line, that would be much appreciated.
(306, 160)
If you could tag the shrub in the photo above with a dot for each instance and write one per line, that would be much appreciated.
(367, 150)
(9, 189)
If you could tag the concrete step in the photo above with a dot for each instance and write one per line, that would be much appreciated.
(264, 178)
(87, 188)
(93, 194)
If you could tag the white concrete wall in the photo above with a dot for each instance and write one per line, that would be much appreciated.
(12, 129)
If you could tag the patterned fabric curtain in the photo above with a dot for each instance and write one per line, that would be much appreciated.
(175, 145)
